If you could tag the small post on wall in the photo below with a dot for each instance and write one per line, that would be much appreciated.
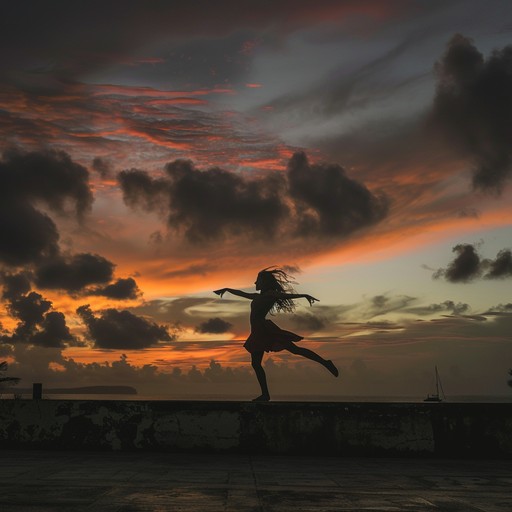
(37, 391)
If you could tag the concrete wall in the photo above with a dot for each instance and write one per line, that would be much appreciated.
(341, 429)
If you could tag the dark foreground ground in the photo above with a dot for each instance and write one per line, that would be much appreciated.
(38, 481)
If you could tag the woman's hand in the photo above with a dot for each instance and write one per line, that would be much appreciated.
(220, 292)
(311, 299)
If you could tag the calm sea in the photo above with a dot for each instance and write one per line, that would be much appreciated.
(275, 398)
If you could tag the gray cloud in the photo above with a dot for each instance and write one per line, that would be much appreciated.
(214, 326)
(114, 329)
(499, 310)
(102, 167)
(340, 92)
(15, 285)
(37, 325)
(373, 362)
(468, 265)
(121, 289)
(73, 273)
(473, 108)
(53, 331)
(49, 176)
(464, 268)
(143, 25)
(501, 267)
(187, 312)
(328, 202)
(28, 234)
(374, 365)
(380, 305)
(310, 200)
(448, 306)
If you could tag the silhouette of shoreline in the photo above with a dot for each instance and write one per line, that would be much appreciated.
(84, 390)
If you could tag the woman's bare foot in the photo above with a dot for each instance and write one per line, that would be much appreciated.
(261, 398)
(332, 368)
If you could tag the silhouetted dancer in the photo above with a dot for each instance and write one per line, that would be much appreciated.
(276, 294)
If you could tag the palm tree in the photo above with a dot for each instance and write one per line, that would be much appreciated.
(6, 381)
(510, 381)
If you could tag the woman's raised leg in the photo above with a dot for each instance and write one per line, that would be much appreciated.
(309, 354)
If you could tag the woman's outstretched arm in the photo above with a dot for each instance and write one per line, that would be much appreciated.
(282, 295)
(238, 293)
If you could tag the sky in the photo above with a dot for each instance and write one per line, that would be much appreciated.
(154, 151)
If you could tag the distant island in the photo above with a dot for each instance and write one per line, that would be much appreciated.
(85, 390)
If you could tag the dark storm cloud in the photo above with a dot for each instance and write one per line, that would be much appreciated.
(15, 285)
(53, 331)
(26, 234)
(120, 289)
(309, 200)
(114, 329)
(204, 205)
(468, 265)
(52, 39)
(500, 267)
(224, 60)
(214, 326)
(73, 273)
(102, 167)
(328, 202)
(49, 176)
(29, 309)
(141, 190)
(473, 108)
(465, 266)
(37, 325)
(210, 204)
(26, 179)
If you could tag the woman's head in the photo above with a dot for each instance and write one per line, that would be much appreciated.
(276, 279)
(266, 280)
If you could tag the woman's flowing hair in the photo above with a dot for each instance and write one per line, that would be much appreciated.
(274, 278)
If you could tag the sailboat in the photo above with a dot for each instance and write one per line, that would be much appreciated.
(436, 397)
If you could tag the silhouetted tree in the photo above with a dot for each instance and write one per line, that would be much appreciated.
(510, 381)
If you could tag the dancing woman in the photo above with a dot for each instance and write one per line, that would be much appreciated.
(276, 294)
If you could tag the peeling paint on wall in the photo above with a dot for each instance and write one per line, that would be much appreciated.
(341, 429)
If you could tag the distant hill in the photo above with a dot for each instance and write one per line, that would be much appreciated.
(85, 390)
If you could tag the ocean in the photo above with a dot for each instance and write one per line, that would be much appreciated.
(275, 398)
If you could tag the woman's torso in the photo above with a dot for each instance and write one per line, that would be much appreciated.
(260, 307)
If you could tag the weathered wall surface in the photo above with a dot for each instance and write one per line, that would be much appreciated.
(342, 429)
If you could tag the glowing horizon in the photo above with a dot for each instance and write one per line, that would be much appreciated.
(363, 145)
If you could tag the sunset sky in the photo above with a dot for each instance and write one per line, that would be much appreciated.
(154, 151)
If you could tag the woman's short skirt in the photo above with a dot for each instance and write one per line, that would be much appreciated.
(268, 337)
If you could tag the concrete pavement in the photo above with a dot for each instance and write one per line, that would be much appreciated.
(41, 481)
